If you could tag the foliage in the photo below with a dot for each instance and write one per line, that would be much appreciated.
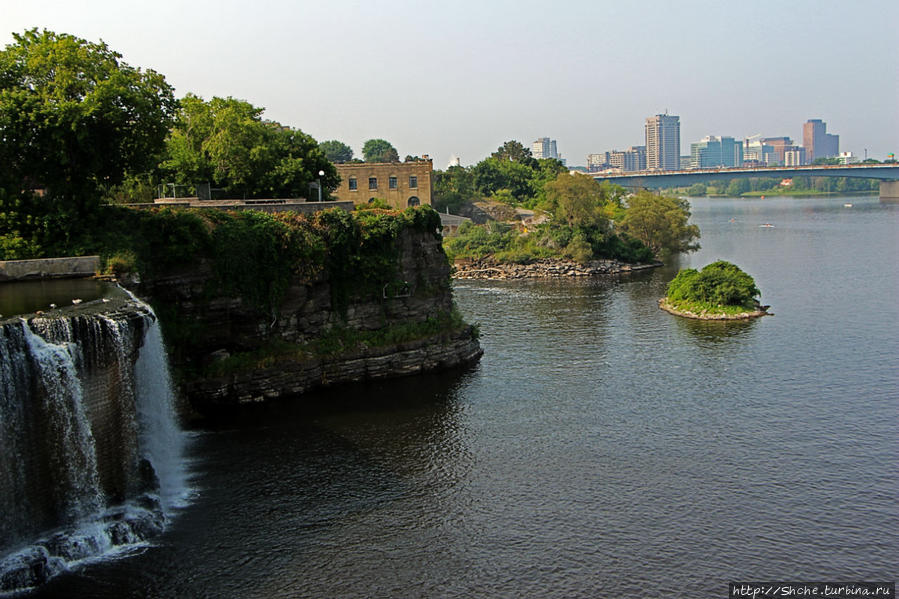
(577, 200)
(660, 222)
(74, 119)
(718, 284)
(453, 188)
(738, 187)
(225, 142)
(374, 204)
(514, 151)
(697, 190)
(336, 151)
(379, 150)
(504, 243)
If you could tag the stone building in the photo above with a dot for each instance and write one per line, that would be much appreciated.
(399, 184)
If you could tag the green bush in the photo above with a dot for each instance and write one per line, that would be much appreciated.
(719, 284)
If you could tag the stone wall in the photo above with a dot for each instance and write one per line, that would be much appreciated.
(81, 266)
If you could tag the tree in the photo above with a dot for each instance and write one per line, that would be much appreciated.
(515, 152)
(225, 142)
(578, 201)
(492, 175)
(336, 151)
(660, 222)
(74, 119)
(717, 284)
(379, 150)
(738, 187)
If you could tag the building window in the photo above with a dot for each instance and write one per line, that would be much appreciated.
(372, 182)
(414, 201)
(413, 182)
(392, 182)
(353, 184)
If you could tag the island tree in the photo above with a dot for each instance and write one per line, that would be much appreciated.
(660, 222)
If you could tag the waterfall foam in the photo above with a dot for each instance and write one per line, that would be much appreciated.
(90, 450)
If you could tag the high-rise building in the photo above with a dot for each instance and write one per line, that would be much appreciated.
(818, 143)
(663, 142)
(780, 145)
(597, 162)
(714, 151)
(544, 147)
(794, 156)
(756, 153)
(632, 159)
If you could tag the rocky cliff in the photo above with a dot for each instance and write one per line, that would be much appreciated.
(326, 328)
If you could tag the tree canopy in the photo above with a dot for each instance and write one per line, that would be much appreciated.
(336, 151)
(225, 142)
(660, 222)
(514, 151)
(578, 201)
(74, 119)
(379, 150)
(717, 284)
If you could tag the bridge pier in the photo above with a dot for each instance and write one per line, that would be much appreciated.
(889, 191)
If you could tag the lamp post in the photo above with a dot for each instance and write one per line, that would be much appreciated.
(320, 175)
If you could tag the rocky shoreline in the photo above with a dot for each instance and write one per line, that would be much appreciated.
(293, 378)
(704, 315)
(490, 270)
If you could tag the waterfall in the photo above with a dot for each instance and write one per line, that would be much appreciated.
(90, 451)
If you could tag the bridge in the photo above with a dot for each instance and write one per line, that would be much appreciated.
(887, 174)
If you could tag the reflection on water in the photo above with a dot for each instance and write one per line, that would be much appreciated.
(24, 297)
(715, 331)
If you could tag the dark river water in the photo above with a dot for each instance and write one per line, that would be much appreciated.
(601, 448)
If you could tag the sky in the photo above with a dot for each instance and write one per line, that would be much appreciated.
(462, 77)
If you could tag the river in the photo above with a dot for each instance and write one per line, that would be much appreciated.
(601, 448)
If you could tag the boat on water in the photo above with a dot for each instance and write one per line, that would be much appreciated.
(767, 225)
(847, 205)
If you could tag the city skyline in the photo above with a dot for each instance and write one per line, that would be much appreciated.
(462, 79)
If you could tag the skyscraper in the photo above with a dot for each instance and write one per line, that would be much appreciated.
(544, 147)
(663, 142)
(818, 143)
(714, 151)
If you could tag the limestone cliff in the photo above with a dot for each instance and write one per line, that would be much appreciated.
(227, 350)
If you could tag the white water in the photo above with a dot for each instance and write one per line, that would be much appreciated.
(74, 449)
(45, 373)
(161, 440)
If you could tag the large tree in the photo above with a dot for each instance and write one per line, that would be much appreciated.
(515, 152)
(74, 119)
(660, 222)
(336, 151)
(578, 201)
(226, 142)
(379, 150)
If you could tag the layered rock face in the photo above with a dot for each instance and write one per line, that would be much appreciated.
(215, 326)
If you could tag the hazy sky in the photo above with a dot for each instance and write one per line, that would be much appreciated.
(461, 77)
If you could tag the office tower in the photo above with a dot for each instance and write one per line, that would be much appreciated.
(544, 147)
(818, 143)
(663, 142)
(714, 151)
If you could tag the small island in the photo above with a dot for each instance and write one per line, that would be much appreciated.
(720, 291)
